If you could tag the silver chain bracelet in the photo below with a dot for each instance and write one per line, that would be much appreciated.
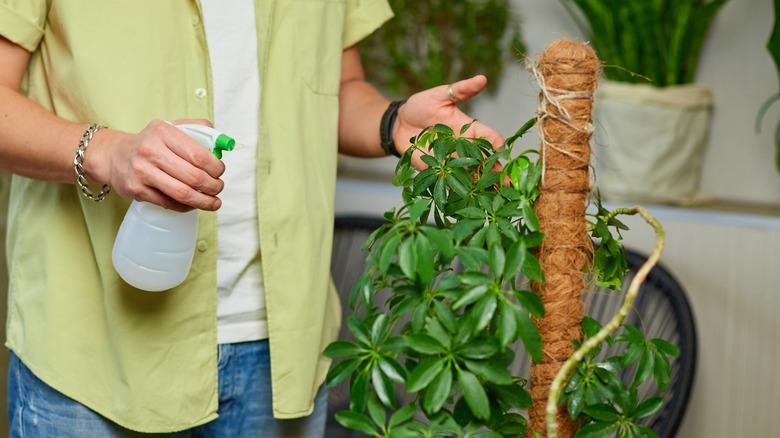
(78, 162)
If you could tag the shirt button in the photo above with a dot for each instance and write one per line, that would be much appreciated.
(200, 93)
(195, 20)
(202, 245)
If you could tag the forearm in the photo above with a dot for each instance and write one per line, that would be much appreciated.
(34, 142)
(361, 109)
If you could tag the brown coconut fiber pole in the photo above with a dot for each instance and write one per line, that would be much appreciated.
(566, 72)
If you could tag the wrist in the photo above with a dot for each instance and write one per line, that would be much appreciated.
(86, 168)
(388, 128)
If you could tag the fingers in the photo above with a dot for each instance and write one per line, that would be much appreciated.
(466, 89)
(164, 166)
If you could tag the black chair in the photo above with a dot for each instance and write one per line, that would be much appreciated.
(660, 311)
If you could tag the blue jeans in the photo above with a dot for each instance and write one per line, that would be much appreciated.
(36, 410)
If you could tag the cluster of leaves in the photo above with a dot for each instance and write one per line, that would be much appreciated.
(608, 405)
(442, 342)
(438, 42)
(659, 40)
(444, 336)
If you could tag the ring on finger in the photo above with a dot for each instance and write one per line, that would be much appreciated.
(450, 94)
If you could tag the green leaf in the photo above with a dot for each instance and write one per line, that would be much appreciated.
(446, 317)
(441, 240)
(379, 328)
(392, 369)
(440, 193)
(661, 371)
(507, 328)
(531, 302)
(643, 431)
(529, 217)
(418, 208)
(479, 348)
(472, 213)
(533, 240)
(472, 258)
(341, 371)
(402, 415)
(356, 421)
(424, 180)
(388, 253)
(474, 394)
(647, 408)
(497, 259)
(339, 349)
(407, 258)
(383, 386)
(425, 259)
(470, 296)
(425, 344)
(437, 392)
(474, 278)
(512, 395)
(532, 269)
(632, 353)
(438, 332)
(666, 347)
(456, 185)
(529, 333)
(645, 367)
(358, 329)
(377, 411)
(598, 430)
(430, 161)
(358, 391)
(576, 402)
(602, 412)
(491, 371)
(515, 258)
(423, 374)
(463, 162)
(483, 312)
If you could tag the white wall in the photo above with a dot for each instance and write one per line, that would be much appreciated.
(739, 165)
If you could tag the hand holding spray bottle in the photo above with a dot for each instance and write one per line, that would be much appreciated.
(154, 247)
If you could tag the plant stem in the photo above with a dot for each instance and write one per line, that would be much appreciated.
(613, 324)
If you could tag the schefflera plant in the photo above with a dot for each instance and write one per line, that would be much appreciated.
(441, 343)
(439, 312)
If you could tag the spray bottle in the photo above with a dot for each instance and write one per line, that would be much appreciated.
(154, 247)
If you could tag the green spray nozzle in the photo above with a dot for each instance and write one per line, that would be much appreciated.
(223, 143)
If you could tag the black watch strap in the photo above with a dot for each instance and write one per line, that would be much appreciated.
(386, 128)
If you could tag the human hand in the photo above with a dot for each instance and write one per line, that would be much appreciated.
(161, 165)
(435, 105)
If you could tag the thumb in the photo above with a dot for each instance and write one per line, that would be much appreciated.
(466, 88)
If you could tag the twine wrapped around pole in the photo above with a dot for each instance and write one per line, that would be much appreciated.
(567, 75)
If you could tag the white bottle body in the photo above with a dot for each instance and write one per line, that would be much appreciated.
(154, 247)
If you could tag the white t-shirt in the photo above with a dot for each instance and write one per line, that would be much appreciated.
(232, 41)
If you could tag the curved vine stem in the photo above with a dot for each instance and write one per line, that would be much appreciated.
(613, 324)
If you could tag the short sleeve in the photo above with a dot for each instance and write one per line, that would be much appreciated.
(22, 21)
(363, 18)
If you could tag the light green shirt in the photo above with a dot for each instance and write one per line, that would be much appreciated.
(148, 361)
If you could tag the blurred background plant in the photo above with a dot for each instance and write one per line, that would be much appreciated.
(659, 41)
(773, 46)
(437, 42)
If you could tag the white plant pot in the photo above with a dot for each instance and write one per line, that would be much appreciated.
(650, 142)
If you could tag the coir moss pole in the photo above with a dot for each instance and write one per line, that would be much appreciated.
(566, 72)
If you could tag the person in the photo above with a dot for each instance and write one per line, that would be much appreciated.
(235, 350)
